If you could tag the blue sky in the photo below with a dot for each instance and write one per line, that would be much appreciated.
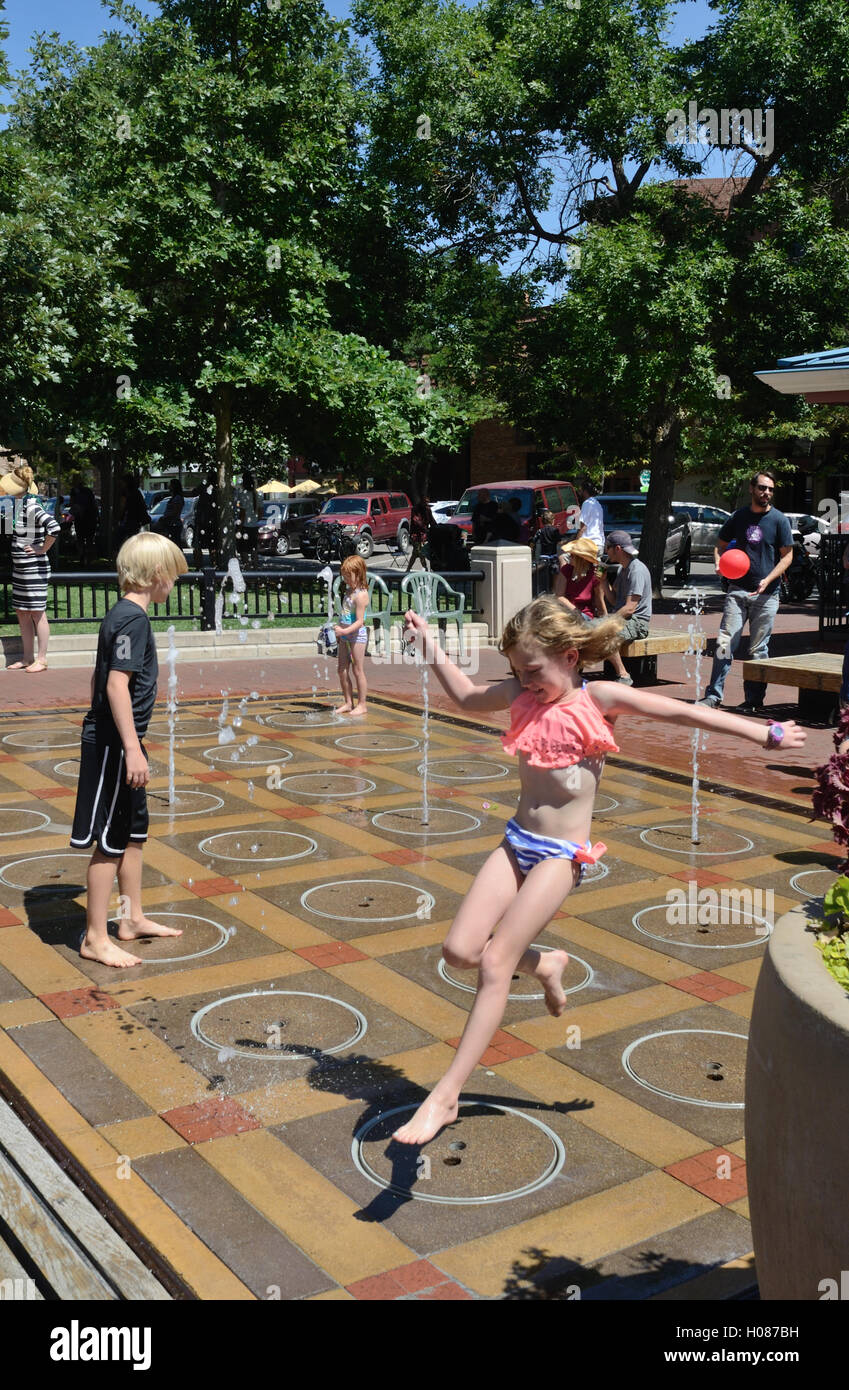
(85, 20)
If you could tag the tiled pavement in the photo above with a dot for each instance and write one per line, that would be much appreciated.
(230, 1096)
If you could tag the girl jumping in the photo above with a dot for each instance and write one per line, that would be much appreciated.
(562, 730)
(352, 635)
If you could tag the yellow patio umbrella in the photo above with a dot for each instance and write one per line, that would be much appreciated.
(274, 486)
(306, 485)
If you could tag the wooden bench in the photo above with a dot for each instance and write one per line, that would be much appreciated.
(57, 1245)
(816, 675)
(640, 656)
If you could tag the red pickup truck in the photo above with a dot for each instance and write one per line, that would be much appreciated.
(370, 516)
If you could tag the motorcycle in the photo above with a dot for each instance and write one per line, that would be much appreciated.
(802, 577)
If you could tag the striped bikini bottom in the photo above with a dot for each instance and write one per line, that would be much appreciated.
(531, 849)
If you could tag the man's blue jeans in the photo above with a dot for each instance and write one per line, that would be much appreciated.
(759, 611)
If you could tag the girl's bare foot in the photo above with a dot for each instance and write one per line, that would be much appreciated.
(129, 930)
(359, 710)
(432, 1115)
(35, 667)
(18, 666)
(550, 973)
(343, 709)
(107, 953)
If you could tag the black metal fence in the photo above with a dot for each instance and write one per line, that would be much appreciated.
(833, 585)
(543, 574)
(271, 595)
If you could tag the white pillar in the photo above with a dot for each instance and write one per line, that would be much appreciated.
(506, 586)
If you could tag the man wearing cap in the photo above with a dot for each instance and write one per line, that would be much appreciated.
(576, 580)
(630, 596)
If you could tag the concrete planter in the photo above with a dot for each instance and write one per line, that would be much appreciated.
(797, 1117)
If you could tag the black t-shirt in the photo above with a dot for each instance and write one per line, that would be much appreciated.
(125, 643)
(506, 527)
(762, 535)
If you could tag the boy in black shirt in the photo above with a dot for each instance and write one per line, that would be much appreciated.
(111, 807)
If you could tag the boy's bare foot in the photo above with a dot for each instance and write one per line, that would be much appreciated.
(107, 953)
(432, 1115)
(550, 973)
(129, 930)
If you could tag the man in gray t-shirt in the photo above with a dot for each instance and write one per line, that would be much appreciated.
(631, 595)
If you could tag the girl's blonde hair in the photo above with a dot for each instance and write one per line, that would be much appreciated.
(145, 556)
(555, 629)
(354, 572)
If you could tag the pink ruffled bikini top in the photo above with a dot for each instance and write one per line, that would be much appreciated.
(557, 735)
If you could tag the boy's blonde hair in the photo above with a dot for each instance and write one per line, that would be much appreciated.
(145, 556)
(354, 572)
(555, 629)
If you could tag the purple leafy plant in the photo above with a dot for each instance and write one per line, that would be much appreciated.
(831, 797)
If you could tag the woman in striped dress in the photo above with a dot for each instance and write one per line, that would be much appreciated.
(33, 533)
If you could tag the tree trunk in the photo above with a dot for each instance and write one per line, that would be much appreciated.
(656, 524)
(224, 463)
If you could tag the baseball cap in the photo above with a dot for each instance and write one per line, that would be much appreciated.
(622, 538)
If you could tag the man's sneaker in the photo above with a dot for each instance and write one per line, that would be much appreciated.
(748, 708)
(711, 701)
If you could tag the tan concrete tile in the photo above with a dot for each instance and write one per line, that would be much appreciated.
(307, 1208)
(656, 964)
(140, 1059)
(623, 894)
(627, 1124)
(403, 996)
(585, 1231)
(209, 977)
(445, 875)
(290, 1100)
(750, 869)
(387, 943)
(334, 1294)
(307, 871)
(138, 1138)
(741, 1207)
(41, 969)
(423, 1065)
(745, 972)
(281, 926)
(739, 1004)
(176, 866)
(604, 1016)
(22, 1011)
(738, 1148)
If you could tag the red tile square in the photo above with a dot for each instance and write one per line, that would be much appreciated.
(351, 762)
(514, 1047)
(723, 1190)
(702, 1174)
(212, 776)
(703, 878)
(69, 1003)
(379, 1286)
(8, 919)
(209, 1119)
(419, 1275)
(211, 887)
(402, 856)
(331, 953)
(44, 794)
(297, 813)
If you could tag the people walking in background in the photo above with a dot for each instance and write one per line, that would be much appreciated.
(630, 597)
(134, 515)
(421, 520)
(84, 514)
(206, 521)
(484, 513)
(170, 524)
(34, 532)
(505, 524)
(575, 585)
(764, 534)
(591, 522)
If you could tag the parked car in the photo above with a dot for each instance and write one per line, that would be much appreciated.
(367, 516)
(705, 526)
(282, 523)
(153, 496)
(625, 511)
(443, 511)
(560, 498)
(187, 516)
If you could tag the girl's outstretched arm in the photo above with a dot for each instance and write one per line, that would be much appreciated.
(467, 695)
(613, 699)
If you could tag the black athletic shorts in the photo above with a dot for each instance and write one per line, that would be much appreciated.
(107, 812)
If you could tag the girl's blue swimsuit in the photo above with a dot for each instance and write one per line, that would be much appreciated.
(531, 849)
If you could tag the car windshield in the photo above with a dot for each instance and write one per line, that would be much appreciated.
(622, 512)
(498, 495)
(345, 506)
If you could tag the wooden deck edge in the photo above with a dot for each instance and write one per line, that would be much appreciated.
(132, 1237)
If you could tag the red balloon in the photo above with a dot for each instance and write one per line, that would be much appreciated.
(734, 563)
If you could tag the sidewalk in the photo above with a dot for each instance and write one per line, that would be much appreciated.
(642, 741)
